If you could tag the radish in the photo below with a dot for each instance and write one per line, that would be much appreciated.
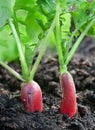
(68, 105)
(31, 96)
(59, 30)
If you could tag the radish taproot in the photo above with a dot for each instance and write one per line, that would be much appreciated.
(68, 105)
(31, 96)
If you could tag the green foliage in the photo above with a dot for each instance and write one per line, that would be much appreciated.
(47, 7)
(74, 3)
(33, 18)
(8, 48)
(29, 53)
(34, 22)
(83, 13)
(65, 20)
(91, 31)
(23, 4)
(5, 11)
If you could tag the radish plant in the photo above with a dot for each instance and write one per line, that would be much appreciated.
(30, 31)
(29, 26)
(83, 16)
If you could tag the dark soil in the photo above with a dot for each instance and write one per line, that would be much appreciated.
(13, 116)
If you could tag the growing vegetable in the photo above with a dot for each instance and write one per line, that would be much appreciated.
(66, 50)
(30, 25)
(31, 94)
(68, 105)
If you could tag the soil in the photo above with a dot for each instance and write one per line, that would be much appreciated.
(13, 116)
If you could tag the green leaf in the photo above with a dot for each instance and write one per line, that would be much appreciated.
(8, 48)
(29, 53)
(65, 20)
(83, 13)
(5, 11)
(24, 4)
(75, 2)
(33, 27)
(47, 7)
(91, 31)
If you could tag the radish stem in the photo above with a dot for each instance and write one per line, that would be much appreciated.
(58, 41)
(24, 66)
(77, 43)
(43, 48)
(13, 72)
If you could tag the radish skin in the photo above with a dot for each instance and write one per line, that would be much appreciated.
(31, 96)
(68, 105)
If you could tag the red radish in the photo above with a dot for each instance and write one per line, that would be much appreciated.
(68, 105)
(31, 96)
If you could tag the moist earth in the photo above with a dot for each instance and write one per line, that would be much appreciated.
(13, 116)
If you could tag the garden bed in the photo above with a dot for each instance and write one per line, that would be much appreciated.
(13, 116)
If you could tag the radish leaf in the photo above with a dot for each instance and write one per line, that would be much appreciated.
(8, 48)
(33, 27)
(29, 53)
(5, 11)
(23, 4)
(83, 13)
